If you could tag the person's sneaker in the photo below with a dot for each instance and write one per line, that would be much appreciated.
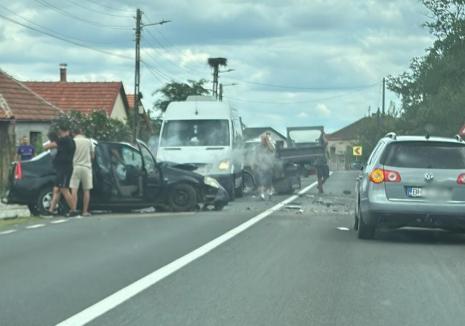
(86, 214)
(72, 214)
(262, 196)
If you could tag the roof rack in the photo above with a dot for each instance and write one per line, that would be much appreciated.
(391, 135)
(458, 138)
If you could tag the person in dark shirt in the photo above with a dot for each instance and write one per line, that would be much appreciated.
(321, 164)
(25, 150)
(63, 163)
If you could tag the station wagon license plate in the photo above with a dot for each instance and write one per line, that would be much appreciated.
(415, 192)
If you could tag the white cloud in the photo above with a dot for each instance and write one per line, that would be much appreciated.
(323, 110)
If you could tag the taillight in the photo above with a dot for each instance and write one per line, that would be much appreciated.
(381, 175)
(18, 171)
(461, 179)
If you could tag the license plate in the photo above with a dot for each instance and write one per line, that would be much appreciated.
(414, 192)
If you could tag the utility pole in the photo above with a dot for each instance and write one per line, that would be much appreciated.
(137, 93)
(384, 97)
(215, 63)
(135, 112)
(221, 93)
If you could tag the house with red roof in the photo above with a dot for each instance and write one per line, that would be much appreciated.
(84, 97)
(23, 113)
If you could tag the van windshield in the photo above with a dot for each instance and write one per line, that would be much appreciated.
(195, 133)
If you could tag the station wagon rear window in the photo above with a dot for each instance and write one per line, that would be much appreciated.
(425, 155)
(195, 133)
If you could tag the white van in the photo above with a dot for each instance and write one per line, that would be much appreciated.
(208, 134)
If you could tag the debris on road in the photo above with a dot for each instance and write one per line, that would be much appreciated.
(298, 207)
(347, 192)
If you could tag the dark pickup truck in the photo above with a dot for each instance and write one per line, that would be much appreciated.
(294, 158)
(126, 177)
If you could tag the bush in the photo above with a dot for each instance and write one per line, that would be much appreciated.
(96, 125)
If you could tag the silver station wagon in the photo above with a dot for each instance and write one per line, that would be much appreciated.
(412, 181)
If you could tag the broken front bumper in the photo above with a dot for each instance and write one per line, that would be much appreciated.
(216, 196)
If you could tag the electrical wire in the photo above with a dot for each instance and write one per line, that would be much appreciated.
(70, 15)
(78, 4)
(104, 5)
(65, 39)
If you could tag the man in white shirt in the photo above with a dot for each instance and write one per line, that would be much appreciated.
(82, 171)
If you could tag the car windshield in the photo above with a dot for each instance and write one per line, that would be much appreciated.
(426, 155)
(195, 133)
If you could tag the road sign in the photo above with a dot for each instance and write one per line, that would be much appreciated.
(357, 150)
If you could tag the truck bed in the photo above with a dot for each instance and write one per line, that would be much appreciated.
(300, 155)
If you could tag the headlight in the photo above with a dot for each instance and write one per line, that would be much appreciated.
(209, 181)
(224, 165)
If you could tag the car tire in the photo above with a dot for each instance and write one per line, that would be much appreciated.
(240, 190)
(229, 186)
(365, 230)
(182, 197)
(219, 207)
(248, 182)
(33, 209)
(45, 199)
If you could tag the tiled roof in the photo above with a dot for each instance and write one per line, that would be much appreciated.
(84, 97)
(21, 103)
(131, 98)
(349, 132)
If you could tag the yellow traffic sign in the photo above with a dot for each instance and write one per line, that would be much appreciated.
(357, 150)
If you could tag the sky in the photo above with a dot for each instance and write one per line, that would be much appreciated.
(295, 62)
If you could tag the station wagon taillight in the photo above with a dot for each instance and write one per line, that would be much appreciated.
(382, 175)
(18, 171)
(461, 179)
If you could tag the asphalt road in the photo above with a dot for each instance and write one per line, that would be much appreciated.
(302, 265)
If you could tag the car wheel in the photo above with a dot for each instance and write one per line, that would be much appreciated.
(33, 209)
(44, 200)
(219, 207)
(183, 197)
(365, 230)
(230, 188)
(240, 190)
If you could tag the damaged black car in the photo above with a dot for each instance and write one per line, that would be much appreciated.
(126, 177)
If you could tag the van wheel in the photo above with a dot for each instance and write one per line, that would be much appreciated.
(248, 183)
(183, 197)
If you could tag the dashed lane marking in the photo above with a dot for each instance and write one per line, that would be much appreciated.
(35, 226)
(8, 232)
(59, 221)
(119, 297)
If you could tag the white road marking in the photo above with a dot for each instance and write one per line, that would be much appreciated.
(35, 226)
(8, 231)
(59, 221)
(151, 279)
(343, 228)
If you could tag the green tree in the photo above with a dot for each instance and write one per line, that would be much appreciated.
(175, 91)
(433, 90)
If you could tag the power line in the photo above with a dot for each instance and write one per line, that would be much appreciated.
(289, 102)
(70, 15)
(64, 39)
(307, 88)
(104, 5)
(78, 4)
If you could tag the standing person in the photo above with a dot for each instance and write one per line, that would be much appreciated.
(25, 150)
(82, 171)
(264, 162)
(63, 163)
(51, 144)
(321, 164)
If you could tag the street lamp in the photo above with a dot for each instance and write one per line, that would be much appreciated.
(221, 89)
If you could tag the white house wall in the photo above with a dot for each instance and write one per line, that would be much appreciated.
(119, 111)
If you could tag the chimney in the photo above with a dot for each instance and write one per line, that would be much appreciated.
(63, 72)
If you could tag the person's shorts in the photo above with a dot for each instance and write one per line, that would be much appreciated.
(63, 177)
(81, 175)
(322, 171)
